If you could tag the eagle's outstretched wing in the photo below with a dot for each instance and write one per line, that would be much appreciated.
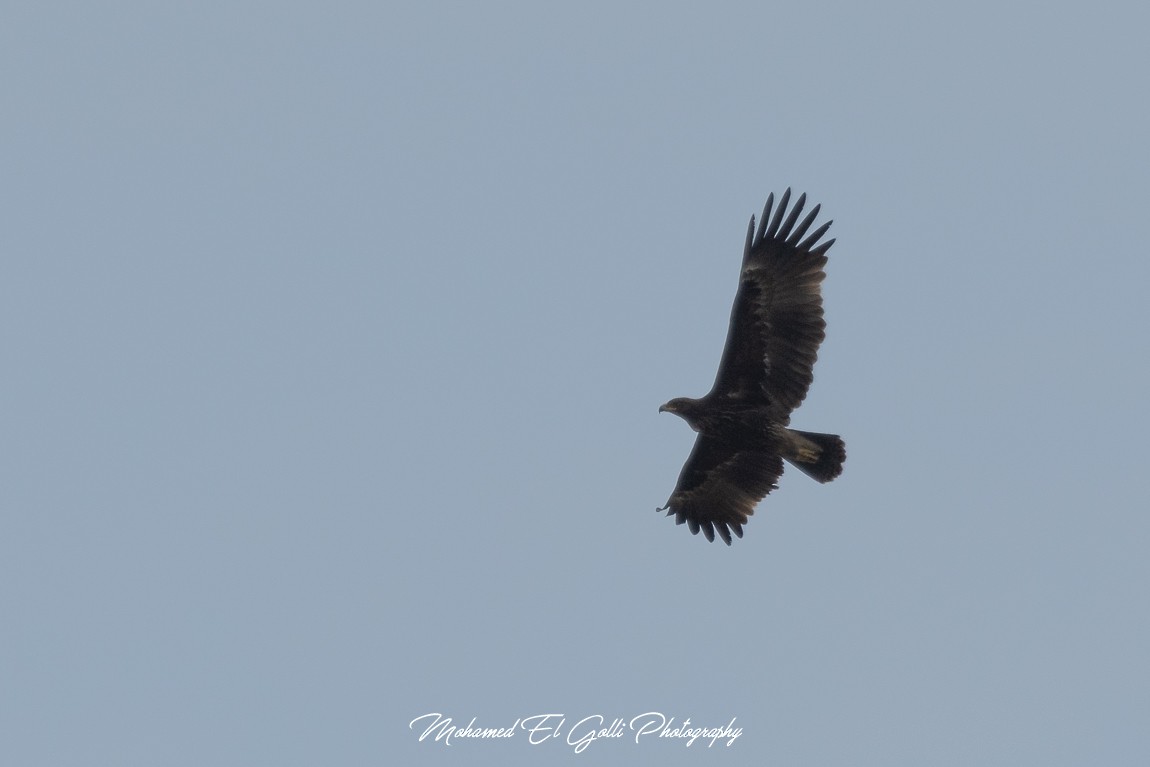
(719, 487)
(777, 320)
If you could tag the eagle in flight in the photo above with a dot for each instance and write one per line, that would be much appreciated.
(767, 366)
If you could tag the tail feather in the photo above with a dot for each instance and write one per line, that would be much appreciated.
(822, 463)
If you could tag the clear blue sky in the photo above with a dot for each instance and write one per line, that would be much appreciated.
(333, 338)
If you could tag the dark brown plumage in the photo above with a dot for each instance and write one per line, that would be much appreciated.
(767, 366)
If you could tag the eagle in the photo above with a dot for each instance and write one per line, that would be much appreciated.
(766, 368)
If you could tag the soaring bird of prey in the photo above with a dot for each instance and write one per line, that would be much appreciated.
(767, 366)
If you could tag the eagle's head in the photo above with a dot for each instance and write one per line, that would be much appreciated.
(684, 407)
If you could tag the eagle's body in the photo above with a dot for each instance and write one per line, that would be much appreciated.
(767, 366)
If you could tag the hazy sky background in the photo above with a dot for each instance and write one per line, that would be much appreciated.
(333, 337)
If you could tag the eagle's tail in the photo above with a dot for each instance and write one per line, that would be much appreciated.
(819, 456)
